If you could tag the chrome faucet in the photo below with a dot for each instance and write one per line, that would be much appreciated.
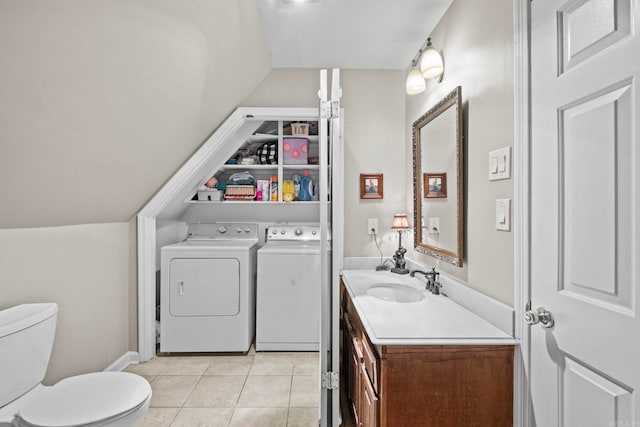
(432, 285)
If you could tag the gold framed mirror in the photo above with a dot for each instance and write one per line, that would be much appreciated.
(438, 205)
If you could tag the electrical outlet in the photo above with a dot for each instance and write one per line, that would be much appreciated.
(372, 224)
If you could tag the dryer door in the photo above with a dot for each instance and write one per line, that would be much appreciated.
(204, 287)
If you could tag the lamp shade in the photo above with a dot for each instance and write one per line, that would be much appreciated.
(400, 222)
(415, 82)
(431, 64)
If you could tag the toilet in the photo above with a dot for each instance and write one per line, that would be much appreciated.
(113, 399)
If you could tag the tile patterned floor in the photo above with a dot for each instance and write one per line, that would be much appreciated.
(270, 389)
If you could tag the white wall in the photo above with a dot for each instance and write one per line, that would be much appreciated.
(82, 268)
(476, 39)
(374, 107)
(102, 100)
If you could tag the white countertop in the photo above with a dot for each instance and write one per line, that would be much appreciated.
(435, 320)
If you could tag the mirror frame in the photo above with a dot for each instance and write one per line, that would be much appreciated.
(452, 99)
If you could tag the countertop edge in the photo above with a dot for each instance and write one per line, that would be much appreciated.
(510, 341)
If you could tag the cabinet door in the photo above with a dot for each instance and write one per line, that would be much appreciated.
(368, 402)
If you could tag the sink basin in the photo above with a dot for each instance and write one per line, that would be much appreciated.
(395, 293)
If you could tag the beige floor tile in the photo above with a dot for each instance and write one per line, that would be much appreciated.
(186, 366)
(159, 417)
(270, 391)
(259, 417)
(278, 353)
(303, 417)
(306, 365)
(216, 391)
(203, 417)
(172, 390)
(305, 391)
(154, 366)
(272, 365)
(229, 365)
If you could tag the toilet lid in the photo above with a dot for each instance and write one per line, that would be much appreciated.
(86, 399)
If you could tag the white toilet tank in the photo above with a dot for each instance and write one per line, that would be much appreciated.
(26, 339)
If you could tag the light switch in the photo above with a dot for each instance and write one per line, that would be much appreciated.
(434, 225)
(503, 214)
(493, 165)
(500, 164)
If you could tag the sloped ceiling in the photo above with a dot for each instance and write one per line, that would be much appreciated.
(101, 101)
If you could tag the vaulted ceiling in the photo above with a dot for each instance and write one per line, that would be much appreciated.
(102, 101)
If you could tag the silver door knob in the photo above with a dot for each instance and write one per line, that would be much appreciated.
(542, 315)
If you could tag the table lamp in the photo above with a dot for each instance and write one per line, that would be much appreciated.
(400, 223)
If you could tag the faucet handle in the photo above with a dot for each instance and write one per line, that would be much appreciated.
(436, 288)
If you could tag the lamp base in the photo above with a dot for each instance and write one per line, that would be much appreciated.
(399, 270)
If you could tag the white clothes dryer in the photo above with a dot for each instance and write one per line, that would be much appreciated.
(288, 290)
(207, 299)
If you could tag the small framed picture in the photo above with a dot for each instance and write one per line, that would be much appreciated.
(435, 185)
(371, 186)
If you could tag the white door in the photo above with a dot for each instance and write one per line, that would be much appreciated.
(585, 212)
(331, 220)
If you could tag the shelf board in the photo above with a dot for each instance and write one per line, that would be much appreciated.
(254, 167)
(244, 202)
(267, 167)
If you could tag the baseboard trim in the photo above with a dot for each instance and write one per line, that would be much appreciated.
(129, 358)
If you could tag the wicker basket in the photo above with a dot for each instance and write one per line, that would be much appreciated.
(301, 129)
(240, 192)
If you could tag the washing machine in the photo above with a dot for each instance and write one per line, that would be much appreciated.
(207, 285)
(288, 290)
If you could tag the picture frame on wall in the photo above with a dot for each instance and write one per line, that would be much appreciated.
(371, 186)
(435, 185)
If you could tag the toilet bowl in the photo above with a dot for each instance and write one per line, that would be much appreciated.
(113, 399)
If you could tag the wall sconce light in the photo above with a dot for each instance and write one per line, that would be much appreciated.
(415, 81)
(431, 66)
(400, 224)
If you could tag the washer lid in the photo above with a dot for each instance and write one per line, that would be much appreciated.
(86, 399)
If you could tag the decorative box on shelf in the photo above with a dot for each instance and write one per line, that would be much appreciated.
(240, 192)
(295, 150)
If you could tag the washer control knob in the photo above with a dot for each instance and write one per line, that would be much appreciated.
(314, 232)
(238, 230)
(247, 230)
(222, 229)
(282, 232)
(298, 231)
(274, 231)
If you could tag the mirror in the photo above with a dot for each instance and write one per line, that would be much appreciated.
(437, 180)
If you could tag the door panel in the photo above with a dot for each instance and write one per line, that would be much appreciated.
(204, 287)
(288, 295)
(585, 204)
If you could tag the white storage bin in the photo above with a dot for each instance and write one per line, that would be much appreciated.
(209, 194)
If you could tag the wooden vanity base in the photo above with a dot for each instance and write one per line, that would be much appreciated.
(425, 385)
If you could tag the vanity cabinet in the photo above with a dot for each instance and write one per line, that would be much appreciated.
(424, 385)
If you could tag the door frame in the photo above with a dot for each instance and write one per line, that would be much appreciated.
(523, 410)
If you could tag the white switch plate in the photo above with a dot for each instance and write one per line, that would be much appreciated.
(372, 223)
(434, 225)
(500, 164)
(503, 214)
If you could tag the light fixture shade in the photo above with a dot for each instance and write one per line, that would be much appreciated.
(431, 64)
(400, 222)
(415, 82)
